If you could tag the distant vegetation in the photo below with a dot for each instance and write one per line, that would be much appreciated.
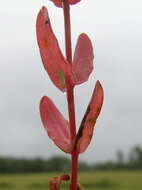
(61, 164)
(98, 180)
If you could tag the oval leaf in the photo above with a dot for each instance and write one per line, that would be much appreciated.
(54, 183)
(83, 59)
(55, 124)
(52, 58)
(59, 3)
(86, 129)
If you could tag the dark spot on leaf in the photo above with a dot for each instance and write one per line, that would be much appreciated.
(46, 22)
(80, 131)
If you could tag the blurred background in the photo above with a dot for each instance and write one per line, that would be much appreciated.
(115, 30)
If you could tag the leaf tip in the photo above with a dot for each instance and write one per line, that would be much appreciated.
(99, 87)
(43, 99)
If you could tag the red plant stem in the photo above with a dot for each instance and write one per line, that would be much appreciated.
(71, 109)
(70, 94)
(74, 170)
(67, 23)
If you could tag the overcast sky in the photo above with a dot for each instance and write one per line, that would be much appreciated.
(115, 28)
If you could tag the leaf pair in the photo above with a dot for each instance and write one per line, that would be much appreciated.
(53, 60)
(55, 182)
(58, 129)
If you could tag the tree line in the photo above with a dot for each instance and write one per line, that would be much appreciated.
(62, 164)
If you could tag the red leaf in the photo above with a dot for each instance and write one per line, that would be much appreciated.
(83, 59)
(86, 129)
(59, 3)
(52, 58)
(55, 182)
(55, 124)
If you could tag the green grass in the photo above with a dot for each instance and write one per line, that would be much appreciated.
(120, 180)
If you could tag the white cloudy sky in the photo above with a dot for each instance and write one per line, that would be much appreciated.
(115, 28)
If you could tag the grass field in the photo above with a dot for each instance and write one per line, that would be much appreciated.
(120, 180)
